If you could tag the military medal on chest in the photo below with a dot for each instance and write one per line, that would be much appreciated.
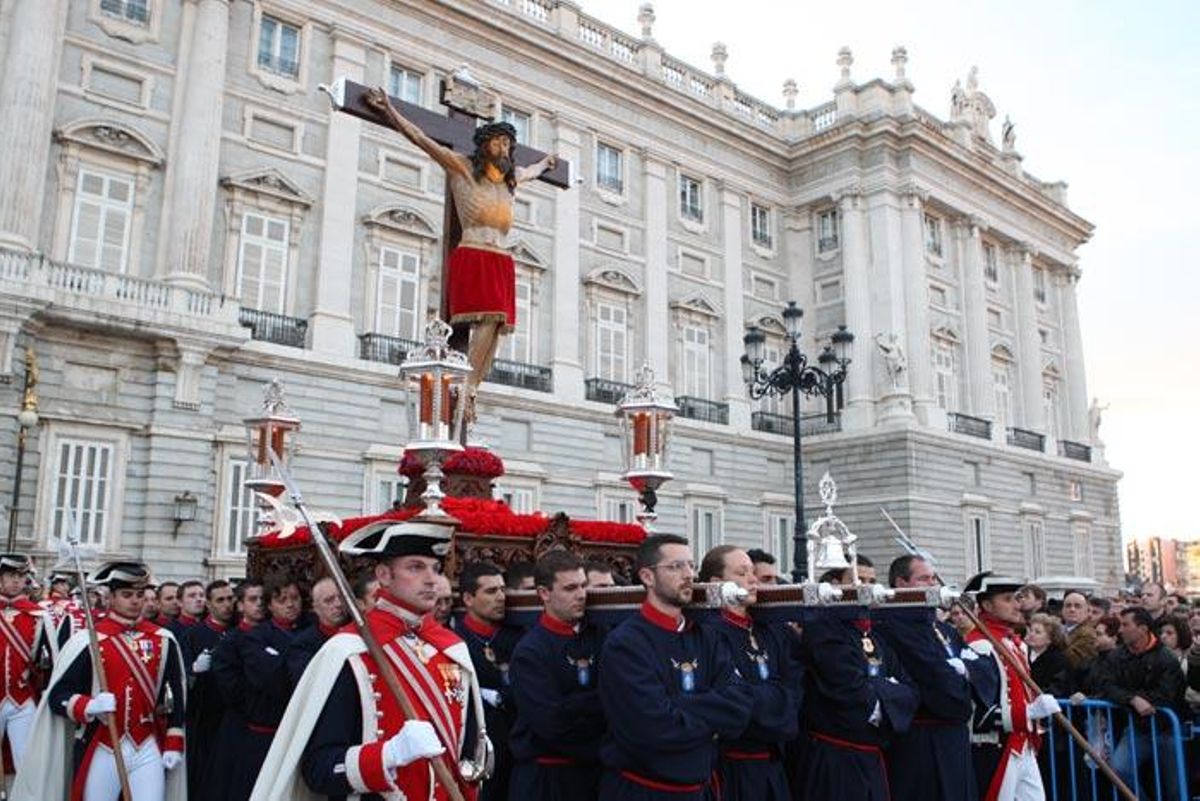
(687, 674)
(488, 653)
(874, 663)
(452, 684)
(583, 669)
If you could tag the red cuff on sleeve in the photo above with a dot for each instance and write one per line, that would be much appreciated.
(75, 706)
(364, 768)
(173, 741)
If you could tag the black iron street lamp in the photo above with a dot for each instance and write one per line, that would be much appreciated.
(798, 377)
(27, 419)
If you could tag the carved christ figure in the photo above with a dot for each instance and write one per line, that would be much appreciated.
(480, 277)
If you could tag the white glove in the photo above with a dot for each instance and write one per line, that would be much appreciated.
(202, 663)
(876, 715)
(1041, 707)
(415, 740)
(957, 664)
(100, 704)
(171, 759)
(491, 697)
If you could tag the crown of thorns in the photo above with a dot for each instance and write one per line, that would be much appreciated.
(485, 132)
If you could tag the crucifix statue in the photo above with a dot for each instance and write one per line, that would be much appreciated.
(484, 165)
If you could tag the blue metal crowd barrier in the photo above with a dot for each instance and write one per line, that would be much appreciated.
(1148, 757)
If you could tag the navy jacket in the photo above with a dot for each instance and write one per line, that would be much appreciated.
(554, 677)
(263, 653)
(302, 649)
(668, 694)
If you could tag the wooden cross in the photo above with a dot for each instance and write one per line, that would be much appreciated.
(455, 131)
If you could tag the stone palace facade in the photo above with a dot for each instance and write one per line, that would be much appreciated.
(184, 219)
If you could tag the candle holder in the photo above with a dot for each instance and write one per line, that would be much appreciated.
(272, 430)
(645, 416)
(831, 546)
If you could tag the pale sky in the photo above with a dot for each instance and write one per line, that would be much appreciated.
(1105, 96)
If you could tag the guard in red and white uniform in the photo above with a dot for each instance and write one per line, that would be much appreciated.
(63, 617)
(343, 734)
(20, 619)
(143, 670)
(1006, 734)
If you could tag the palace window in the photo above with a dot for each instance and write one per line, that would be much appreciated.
(1050, 407)
(933, 235)
(240, 510)
(691, 201)
(1039, 284)
(101, 220)
(519, 120)
(760, 225)
(397, 296)
(1082, 535)
(136, 11)
(262, 262)
(1035, 548)
(1001, 386)
(979, 557)
(991, 267)
(945, 374)
(610, 171)
(405, 84)
(518, 345)
(827, 231)
(617, 510)
(779, 539)
(697, 368)
(83, 477)
(279, 47)
(705, 528)
(612, 335)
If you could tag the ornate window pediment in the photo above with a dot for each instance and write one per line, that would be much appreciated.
(523, 253)
(269, 182)
(402, 219)
(112, 137)
(946, 333)
(1003, 353)
(699, 304)
(613, 278)
(770, 324)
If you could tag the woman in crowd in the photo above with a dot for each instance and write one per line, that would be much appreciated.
(1177, 637)
(1047, 654)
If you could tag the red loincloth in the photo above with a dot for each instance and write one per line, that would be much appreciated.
(482, 287)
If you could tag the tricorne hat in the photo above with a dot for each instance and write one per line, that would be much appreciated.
(120, 576)
(386, 539)
(986, 584)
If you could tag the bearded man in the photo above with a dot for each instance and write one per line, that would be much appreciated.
(481, 282)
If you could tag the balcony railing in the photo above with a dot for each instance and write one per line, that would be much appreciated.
(270, 327)
(605, 391)
(519, 374)
(814, 423)
(971, 426)
(384, 348)
(827, 243)
(1074, 450)
(702, 409)
(1021, 438)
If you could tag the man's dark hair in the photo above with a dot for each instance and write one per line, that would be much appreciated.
(273, 586)
(362, 584)
(483, 135)
(246, 584)
(713, 564)
(597, 565)
(860, 560)
(1183, 601)
(902, 568)
(1161, 589)
(1111, 624)
(1140, 616)
(1069, 593)
(472, 572)
(831, 576)
(553, 563)
(648, 551)
(1035, 591)
(760, 557)
(185, 586)
(213, 586)
(166, 584)
(1101, 603)
(516, 573)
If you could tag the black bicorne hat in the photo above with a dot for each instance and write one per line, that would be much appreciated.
(488, 130)
(17, 562)
(121, 575)
(986, 584)
(387, 539)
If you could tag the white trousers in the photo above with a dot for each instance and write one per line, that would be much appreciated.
(15, 723)
(147, 777)
(1022, 779)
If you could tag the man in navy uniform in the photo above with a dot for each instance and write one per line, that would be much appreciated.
(752, 766)
(205, 707)
(330, 614)
(856, 699)
(668, 688)
(230, 680)
(491, 643)
(145, 695)
(345, 735)
(262, 652)
(932, 762)
(556, 738)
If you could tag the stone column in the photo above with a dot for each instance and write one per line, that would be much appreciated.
(193, 163)
(567, 366)
(979, 356)
(27, 94)
(1029, 344)
(735, 315)
(889, 312)
(657, 315)
(856, 291)
(1078, 423)
(332, 318)
(916, 307)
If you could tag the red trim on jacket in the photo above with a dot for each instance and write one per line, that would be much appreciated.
(555, 626)
(662, 620)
